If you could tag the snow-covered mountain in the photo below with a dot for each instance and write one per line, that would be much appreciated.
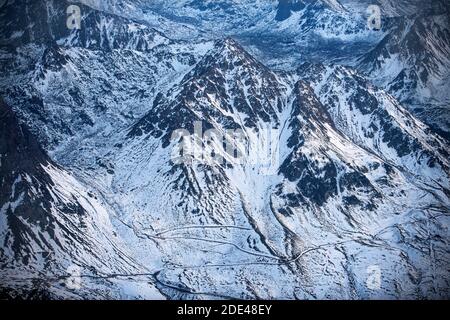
(408, 56)
(115, 158)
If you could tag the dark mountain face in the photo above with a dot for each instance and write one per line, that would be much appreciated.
(19, 148)
(346, 152)
(18, 27)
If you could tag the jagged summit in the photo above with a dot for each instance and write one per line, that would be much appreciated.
(228, 54)
(46, 22)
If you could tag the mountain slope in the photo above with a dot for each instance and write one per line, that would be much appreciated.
(412, 63)
(330, 196)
